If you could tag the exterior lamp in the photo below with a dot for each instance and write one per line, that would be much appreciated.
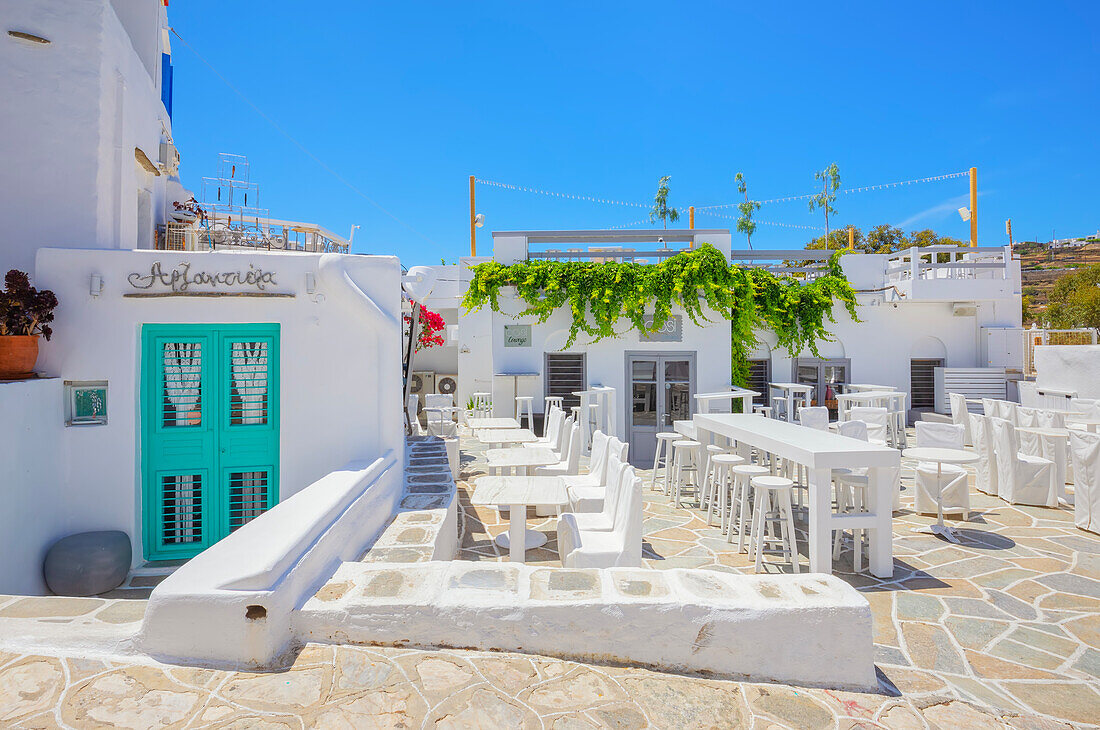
(964, 213)
(479, 220)
(95, 285)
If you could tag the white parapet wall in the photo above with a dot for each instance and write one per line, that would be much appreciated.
(803, 629)
(1069, 368)
(232, 605)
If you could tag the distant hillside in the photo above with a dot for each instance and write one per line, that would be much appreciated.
(1042, 266)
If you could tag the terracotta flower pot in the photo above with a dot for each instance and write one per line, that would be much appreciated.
(18, 353)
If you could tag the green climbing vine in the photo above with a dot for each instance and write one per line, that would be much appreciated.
(599, 295)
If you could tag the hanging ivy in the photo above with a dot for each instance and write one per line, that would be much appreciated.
(599, 295)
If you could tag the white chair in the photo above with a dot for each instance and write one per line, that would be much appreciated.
(771, 506)
(570, 456)
(953, 490)
(437, 415)
(877, 420)
(1084, 449)
(1021, 479)
(662, 458)
(989, 408)
(483, 405)
(815, 417)
(960, 414)
(985, 466)
(587, 492)
(1090, 408)
(1030, 443)
(551, 438)
(1051, 419)
(549, 403)
(581, 546)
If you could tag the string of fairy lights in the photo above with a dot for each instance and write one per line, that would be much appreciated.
(710, 209)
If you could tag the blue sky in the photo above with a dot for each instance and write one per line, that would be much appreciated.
(405, 101)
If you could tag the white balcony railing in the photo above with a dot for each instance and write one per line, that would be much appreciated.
(947, 263)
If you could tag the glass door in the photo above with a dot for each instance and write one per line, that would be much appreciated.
(662, 389)
(827, 377)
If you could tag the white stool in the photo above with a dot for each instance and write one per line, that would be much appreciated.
(662, 457)
(685, 463)
(525, 402)
(780, 404)
(771, 505)
(720, 479)
(710, 451)
(765, 411)
(483, 405)
(851, 496)
(740, 504)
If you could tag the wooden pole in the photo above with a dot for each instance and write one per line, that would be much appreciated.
(973, 207)
(691, 216)
(473, 214)
(851, 238)
(1008, 230)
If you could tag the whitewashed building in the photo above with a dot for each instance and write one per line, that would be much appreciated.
(915, 316)
(85, 126)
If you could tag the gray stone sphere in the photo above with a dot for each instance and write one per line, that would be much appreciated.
(88, 563)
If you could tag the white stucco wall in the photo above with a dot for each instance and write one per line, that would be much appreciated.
(1073, 368)
(339, 358)
(36, 507)
(73, 112)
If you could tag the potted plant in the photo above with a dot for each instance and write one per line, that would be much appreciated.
(25, 313)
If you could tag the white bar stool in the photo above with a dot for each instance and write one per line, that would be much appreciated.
(709, 452)
(685, 463)
(740, 504)
(662, 457)
(765, 411)
(851, 496)
(525, 402)
(720, 479)
(771, 505)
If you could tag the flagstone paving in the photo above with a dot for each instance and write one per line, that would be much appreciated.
(1000, 631)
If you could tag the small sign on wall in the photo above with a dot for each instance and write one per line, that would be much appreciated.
(85, 402)
(517, 335)
(671, 331)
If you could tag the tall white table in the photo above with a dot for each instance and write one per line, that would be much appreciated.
(480, 424)
(521, 459)
(506, 436)
(821, 452)
(792, 391)
(743, 394)
(941, 456)
(862, 387)
(515, 494)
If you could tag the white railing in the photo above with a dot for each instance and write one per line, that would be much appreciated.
(947, 262)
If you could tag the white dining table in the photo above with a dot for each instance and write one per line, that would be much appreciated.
(863, 387)
(941, 456)
(506, 436)
(820, 452)
(516, 493)
(479, 424)
(520, 459)
(1091, 424)
(790, 392)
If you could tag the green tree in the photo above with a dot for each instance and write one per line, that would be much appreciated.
(745, 224)
(1074, 300)
(838, 239)
(886, 238)
(823, 201)
(928, 237)
(660, 205)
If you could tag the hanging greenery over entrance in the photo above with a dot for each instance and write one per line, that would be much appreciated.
(599, 295)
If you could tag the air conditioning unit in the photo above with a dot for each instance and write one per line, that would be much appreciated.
(422, 383)
(446, 384)
(170, 157)
(964, 309)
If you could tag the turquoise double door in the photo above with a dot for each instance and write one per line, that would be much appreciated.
(210, 432)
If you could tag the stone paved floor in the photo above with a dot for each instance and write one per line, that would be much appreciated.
(1002, 631)
(1009, 619)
